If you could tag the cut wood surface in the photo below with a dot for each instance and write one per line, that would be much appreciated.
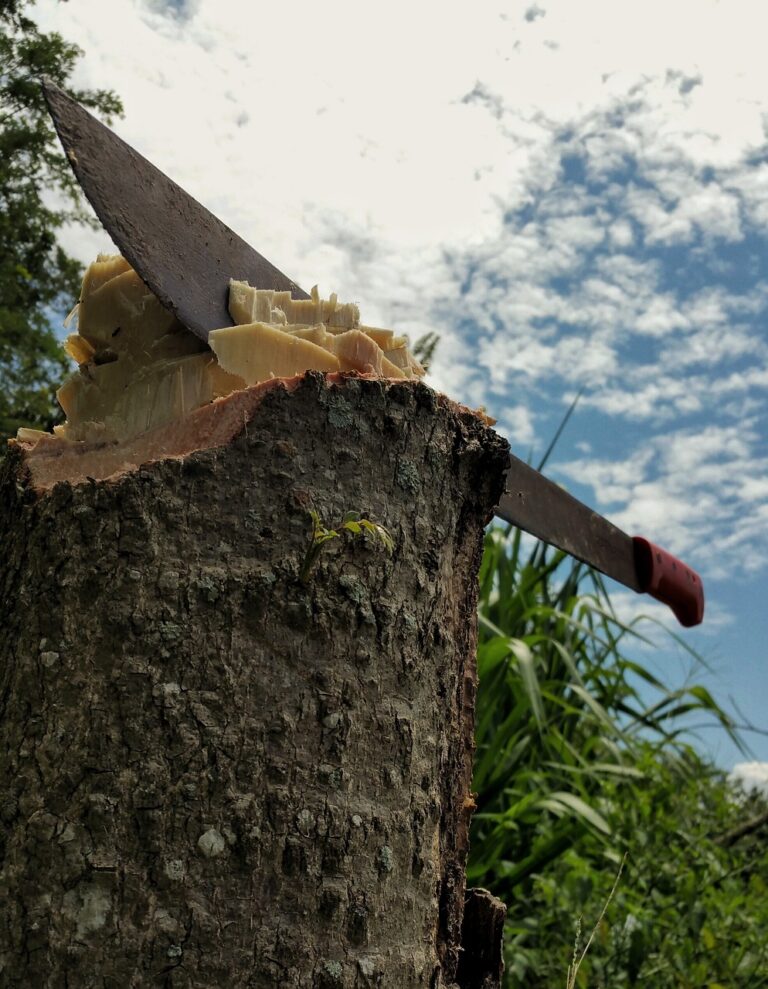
(214, 774)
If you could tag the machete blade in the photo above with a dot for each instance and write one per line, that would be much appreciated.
(538, 505)
(186, 256)
(534, 503)
(183, 252)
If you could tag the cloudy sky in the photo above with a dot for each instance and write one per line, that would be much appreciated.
(574, 195)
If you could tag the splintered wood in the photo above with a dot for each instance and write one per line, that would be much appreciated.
(142, 376)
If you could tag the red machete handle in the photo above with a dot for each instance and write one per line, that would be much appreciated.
(670, 581)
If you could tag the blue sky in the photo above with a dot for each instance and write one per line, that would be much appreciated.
(575, 196)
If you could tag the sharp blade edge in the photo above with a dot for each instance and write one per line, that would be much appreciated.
(184, 253)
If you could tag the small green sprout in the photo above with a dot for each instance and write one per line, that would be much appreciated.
(353, 523)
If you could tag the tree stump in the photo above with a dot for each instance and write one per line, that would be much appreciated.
(212, 772)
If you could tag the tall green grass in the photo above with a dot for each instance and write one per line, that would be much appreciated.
(568, 725)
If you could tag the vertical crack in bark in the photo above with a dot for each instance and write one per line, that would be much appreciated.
(482, 962)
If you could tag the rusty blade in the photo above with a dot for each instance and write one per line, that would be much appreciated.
(183, 252)
(539, 506)
(187, 256)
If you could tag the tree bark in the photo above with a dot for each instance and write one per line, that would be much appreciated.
(481, 961)
(214, 774)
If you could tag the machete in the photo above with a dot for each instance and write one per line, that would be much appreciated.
(186, 256)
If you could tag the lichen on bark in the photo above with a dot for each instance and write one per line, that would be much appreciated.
(211, 772)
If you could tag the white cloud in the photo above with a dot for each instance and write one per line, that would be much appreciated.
(516, 422)
(621, 233)
(711, 346)
(751, 775)
(660, 316)
(654, 621)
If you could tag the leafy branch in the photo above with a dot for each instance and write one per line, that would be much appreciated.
(39, 280)
(424, 349)
(354, 524)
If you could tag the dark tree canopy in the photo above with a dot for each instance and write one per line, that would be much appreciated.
(38, 196)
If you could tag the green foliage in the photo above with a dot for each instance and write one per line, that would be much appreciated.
(352, 523)
(688, 912)
(424, 349)
(582, 758)
(38, 196)
(579, 952)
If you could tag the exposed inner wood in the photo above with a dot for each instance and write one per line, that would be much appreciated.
(140, 370)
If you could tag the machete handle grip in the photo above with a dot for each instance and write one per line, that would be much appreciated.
(670, 581)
